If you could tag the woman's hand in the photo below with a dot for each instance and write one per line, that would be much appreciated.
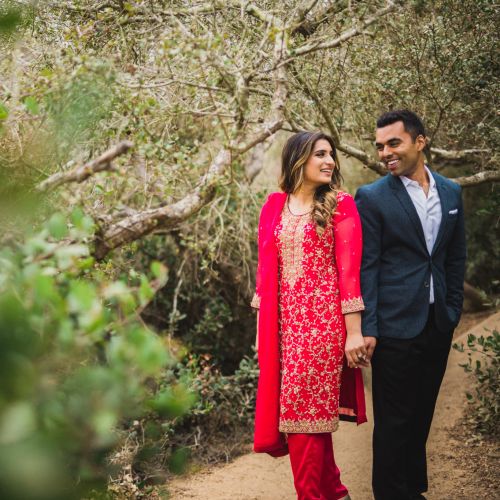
(355, 351)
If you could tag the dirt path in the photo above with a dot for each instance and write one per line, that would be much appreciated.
(260, 477)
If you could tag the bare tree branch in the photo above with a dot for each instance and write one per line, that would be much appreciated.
(257, 12)
(479, 178)
(256, 161)
(363, 157)
(303, 11)
(309, 26)
(262, 136)
(457, 157)
(358, 30)
(80, 174)
(475, 299)
(334, 132)
(144, 222)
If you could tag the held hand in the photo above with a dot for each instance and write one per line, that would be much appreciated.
(370, 343)
(355, 351)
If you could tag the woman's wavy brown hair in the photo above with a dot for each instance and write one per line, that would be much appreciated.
(296, 152)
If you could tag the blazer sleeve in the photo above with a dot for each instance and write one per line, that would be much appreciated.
(370, 263)
(348, 248)
(455, 263)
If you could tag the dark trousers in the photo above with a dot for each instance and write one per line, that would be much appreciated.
(406, 376)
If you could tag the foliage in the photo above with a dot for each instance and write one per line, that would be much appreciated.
(484, 362)
(483, 238)
(214, 429)
(226, 402)
(76, 360)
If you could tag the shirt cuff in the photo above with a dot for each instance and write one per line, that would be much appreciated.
(255, 302)
(352, 305)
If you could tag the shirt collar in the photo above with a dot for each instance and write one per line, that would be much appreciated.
(407, 181)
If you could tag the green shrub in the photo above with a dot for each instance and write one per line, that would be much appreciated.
(204, 416)
(76, 362)
(484, 362)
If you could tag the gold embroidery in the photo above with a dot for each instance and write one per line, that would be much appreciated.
(255, 301)
(306, 426)
(352, 305)
(291, 236)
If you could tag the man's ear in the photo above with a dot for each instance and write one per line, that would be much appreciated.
(421, 142)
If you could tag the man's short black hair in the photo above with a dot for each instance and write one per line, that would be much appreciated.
(411, 121)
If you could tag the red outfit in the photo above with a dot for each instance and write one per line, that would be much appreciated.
(318, 284)
(304, 286)
(315, 474)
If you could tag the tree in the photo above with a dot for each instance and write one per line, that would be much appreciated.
(219, 79)
(156, 118)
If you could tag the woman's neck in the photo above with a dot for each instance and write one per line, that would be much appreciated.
(303, 198)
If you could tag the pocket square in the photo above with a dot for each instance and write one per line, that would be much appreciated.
(453, 212)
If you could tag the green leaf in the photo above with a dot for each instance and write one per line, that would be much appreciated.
(38, 244)
(151, 355)
(83, 223)
(104, 422)
(4, 112)
(69, 255)
(18, 422)
(160, 271)
(116, 289)
(66, 333)
(87, 263)
(32, 105)
(146, 293)
(44, 289)
(10, 20)
(76, 216)
(179, 460)
(57, 226)
(81, 297)
(122, 293)
(128, 7)
(173, 402)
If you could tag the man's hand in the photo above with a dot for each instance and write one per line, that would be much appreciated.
(370, 343)
(355, 351)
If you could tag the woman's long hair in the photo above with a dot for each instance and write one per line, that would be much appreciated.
(294, 157)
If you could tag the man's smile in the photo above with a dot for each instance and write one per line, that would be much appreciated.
(392, 164)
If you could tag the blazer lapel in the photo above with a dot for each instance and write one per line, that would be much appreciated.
(445, 208)
(405, 200)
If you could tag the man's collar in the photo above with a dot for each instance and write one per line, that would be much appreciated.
(407, 181)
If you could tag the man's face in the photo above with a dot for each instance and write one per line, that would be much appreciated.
(397, 150)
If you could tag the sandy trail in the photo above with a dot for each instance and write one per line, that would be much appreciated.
(260, 477)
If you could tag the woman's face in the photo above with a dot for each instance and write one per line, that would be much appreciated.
(319, 167)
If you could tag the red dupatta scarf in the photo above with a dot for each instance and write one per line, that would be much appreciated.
(267, 438)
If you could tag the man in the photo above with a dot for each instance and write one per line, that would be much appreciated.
(412, 284)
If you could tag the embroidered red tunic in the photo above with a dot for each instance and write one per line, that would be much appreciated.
(318, 280)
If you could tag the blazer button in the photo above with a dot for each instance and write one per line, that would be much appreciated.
(426, 284)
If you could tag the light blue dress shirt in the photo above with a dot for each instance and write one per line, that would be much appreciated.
(429, 212)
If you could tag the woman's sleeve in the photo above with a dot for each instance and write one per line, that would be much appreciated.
(348, 252)
(258, 278)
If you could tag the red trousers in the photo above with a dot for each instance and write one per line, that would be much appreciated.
(315, 475)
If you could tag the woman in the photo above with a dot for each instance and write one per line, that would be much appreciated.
(309, 303)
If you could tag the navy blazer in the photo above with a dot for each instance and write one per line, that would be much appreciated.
(396, 266)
